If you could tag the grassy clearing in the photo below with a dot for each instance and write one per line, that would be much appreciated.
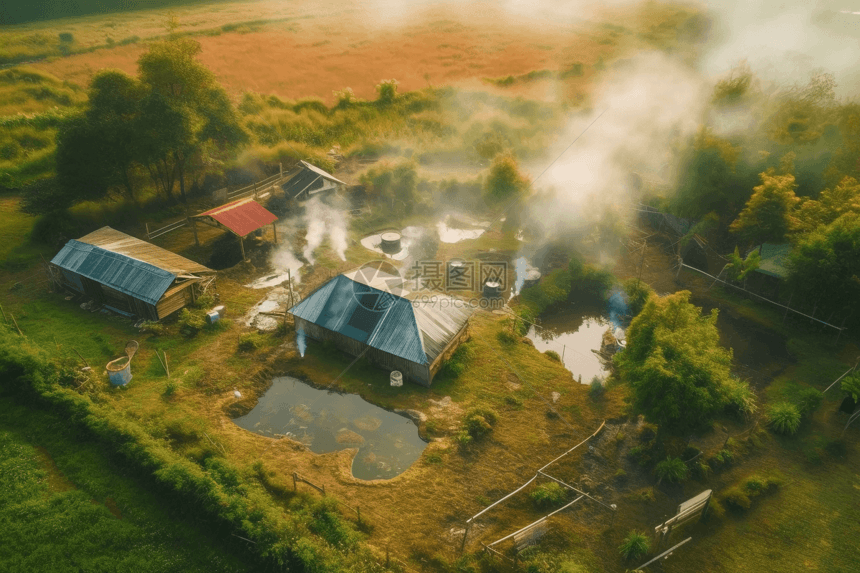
(69, 489)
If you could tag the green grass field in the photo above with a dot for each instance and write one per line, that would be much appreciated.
(66, 507)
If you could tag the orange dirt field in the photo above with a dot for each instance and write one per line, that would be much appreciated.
(318, 50)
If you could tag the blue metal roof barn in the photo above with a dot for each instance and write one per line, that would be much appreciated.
(398, 331)
(128, 275)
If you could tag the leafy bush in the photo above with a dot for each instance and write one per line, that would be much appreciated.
(737, 498)
(701, 470)
(191, 322)
(851, 386)
(597, 388)
(808, 401)
(548, 495)
(456, 365)
(506, 337)
(153, 327)
(740, 398)
(514, 401)
(169, 389)
(672, 470)
(387, 90)
(635, 545)
(740, 496)
(66, 37)
(784, 418)
(588, 282)
(479, 422)
(552, 355)
(721, 458)
(250, 341)
(637, 294)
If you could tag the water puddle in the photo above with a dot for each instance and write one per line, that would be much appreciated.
(573, 336)
(451, 234)
(274, 280)
(267, 314)
(327, 421)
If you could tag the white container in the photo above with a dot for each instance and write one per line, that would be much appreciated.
(396, 378)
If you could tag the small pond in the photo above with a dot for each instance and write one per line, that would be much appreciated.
(325, 421)
(573, 335)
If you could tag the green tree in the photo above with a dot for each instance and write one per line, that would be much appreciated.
(739, 268)
(714, 177)
(825, 264)
(114, 104)
(801, 114)
(187, 117)
(768, 214)
(830, 205)
(505, 181)
(395, 186)
(677, 370)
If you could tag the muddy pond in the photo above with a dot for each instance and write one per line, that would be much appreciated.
(573, 334)
(325, 421)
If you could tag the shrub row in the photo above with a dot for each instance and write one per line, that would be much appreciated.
(310, 537)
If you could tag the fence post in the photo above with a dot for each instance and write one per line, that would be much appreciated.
(295, 480)
(358, 511)
(787, 308)
(465, 535)
(147, 231)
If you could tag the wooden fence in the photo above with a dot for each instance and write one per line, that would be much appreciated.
(152, 234)
(256, 189)
(538, 473)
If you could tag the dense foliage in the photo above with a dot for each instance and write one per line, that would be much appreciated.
(678, 372)
(309, 536)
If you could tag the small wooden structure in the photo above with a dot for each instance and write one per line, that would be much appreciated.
(308, 181)
(375, 317)
(128, 275)
(241, 217)
(690, 510)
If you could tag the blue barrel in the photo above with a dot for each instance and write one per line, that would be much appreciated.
(119, 374)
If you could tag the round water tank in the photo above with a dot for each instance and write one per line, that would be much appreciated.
(390, 242)
(492, 289)
(396, 378)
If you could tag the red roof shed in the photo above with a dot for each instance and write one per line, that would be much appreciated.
(242, 217)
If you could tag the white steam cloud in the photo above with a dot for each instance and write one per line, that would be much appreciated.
(324, 220)
(647, 104)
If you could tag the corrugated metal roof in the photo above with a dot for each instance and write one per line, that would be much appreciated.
(321, 173)
(307, 179)
(243, 216)
(439, 319)
(774, 259)
(366, 314)
(118, 242)
(136, 278)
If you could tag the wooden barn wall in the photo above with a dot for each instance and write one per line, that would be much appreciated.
(170, 304)
(461, 337)
(418, 373)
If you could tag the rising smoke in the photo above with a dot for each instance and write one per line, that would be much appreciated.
(324, 220)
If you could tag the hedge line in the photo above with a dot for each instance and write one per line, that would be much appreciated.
(308, 536)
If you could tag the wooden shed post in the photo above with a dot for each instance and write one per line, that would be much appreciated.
(275, 231)
(242, 245)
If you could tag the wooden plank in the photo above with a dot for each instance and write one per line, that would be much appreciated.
(539, 521)
(665, 553)
(702, 498)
